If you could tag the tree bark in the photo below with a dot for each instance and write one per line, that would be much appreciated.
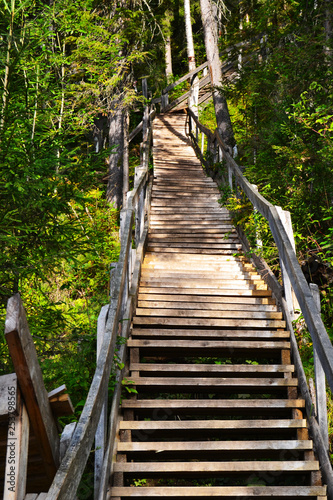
(115, 177)
(328, 29)
(214, 66)
(193, 99)
(168, 59)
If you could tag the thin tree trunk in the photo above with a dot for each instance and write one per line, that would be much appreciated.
(5, 94)
(168, 59)
(116, 140)
(193, 99)
(328, 29)
(214, 66)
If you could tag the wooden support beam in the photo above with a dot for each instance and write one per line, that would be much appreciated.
(7, 381)
(30, 379)
(17, 448)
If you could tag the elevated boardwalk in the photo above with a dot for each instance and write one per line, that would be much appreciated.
(217, 411)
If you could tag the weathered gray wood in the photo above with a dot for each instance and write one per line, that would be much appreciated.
(213, 405)
(216, 445)
(313, 320)
(253, 323)
(184, 78)
(69, 474)
(30, 379)
(210, 368)
(66, 437)
(190, 313)
(15, 476)
(320, 379)
(219, 491)
(201, 382)
(7, 382)
(197, 467)
(214, 424)
(113, 420)
(100, 436)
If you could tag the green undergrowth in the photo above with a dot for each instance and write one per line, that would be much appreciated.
(63, 306)
(307, 200)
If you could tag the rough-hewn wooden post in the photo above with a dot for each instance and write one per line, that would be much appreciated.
(320, 380)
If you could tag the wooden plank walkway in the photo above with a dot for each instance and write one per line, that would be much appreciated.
(217, 411)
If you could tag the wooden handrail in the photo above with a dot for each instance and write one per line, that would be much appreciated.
(321, 342)
(69, 474)
(312, 317)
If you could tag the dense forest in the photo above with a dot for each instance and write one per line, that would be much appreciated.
(71, 83)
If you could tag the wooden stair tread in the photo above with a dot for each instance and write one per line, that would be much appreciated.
(191, 306)
(194, 313)
(219, 491)
(221, 299)
(212, 403)
(213, 424)
(253, 323)
(249, 466)
(209, 334)
(213, 382)
(211, 344)
(188, 282)
(216, 445)
(214, 368)
(206, 291)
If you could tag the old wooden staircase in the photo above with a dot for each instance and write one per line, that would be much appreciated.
(217, 411)
(210, 397)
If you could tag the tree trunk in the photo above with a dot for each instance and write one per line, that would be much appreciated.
(5, 94)
(328, 29)
(194, 95)
(214, 66)
(168, 59)
(115, 177)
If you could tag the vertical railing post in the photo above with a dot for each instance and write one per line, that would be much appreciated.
(202, 142)
(100, 436)
(164, 101)
(230, 177)
(145, 123)
(255, 212)
(320, 379)
(125, 157)
(289, 292)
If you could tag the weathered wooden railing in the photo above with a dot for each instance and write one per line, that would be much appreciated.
(293, 279)
(113, 322)
(181, 102)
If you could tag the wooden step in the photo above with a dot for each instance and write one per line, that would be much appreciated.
(215, 445)
(243, 492)
(213, 404)
(209, 334)
(193, 313)
(213, 424)
(222, 300)
(207, 291)
(211, 382)
(211, 368)
(208, 306)
(205, 322)
(207, 467)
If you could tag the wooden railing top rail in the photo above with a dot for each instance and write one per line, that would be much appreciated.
(304, 296)
(139, 127)
(69, 474)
